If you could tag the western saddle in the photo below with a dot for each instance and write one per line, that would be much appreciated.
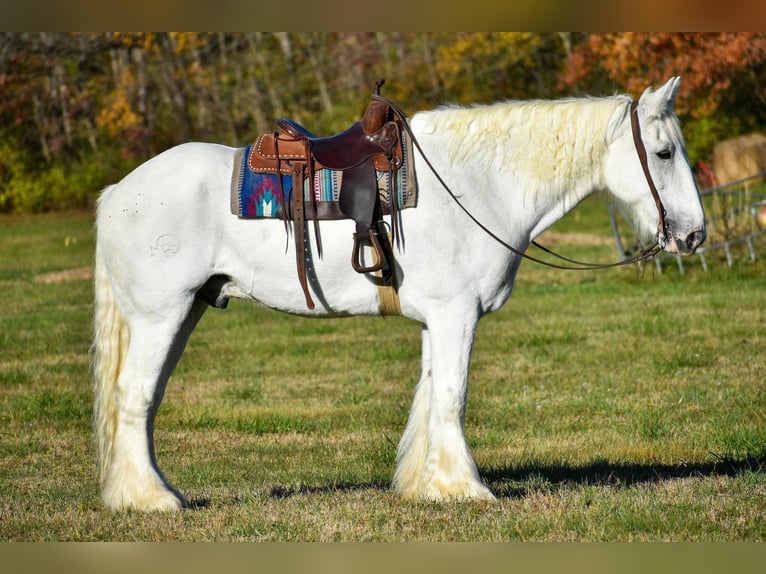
(371, 144)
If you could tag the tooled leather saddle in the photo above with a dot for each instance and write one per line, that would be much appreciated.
(372, 144)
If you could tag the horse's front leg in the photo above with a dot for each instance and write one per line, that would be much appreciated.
(434, 461)
(413, 446)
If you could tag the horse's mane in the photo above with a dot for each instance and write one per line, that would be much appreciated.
(546, 144)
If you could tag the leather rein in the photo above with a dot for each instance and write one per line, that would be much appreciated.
(643, 255)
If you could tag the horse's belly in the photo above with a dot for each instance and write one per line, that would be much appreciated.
(260, 259)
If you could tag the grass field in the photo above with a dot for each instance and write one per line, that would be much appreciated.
(604, 405)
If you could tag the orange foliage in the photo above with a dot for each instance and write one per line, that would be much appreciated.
(708, 62)
(117, 115)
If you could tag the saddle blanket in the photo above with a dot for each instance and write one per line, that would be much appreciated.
(256, 195)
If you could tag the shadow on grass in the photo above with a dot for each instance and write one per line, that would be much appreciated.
(287, 492)
(279, 491)
(519, 481)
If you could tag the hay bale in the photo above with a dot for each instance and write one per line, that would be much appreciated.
(739, 157)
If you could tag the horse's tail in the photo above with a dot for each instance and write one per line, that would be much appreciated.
(110, 345)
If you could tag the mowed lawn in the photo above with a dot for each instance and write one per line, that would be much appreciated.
(603, 405)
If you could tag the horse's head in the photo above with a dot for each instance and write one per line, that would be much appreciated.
(668, 165)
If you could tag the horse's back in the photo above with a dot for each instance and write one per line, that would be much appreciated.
(175, 168)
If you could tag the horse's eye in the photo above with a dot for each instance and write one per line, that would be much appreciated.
(664, 154)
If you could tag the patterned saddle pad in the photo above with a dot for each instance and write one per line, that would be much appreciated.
(256, 195)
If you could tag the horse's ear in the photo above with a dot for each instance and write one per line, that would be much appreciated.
(662, 98)
(671, 88)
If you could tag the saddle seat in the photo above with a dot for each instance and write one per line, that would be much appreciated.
(371, 144)
(372, 136)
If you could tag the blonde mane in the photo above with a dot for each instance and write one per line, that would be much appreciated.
(547, 145)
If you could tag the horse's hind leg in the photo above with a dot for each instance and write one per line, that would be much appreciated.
(131, 477)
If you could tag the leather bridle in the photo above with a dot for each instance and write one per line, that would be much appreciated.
(643, 255)
(662, 228)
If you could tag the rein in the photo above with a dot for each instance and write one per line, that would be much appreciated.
(643, 255)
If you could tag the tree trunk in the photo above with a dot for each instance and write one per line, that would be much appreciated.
(315, 48)
(275, 101)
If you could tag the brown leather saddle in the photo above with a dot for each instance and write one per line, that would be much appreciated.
(371, 145)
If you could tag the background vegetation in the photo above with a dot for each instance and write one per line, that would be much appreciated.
(79, 110)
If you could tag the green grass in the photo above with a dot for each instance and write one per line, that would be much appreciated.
(603, 405)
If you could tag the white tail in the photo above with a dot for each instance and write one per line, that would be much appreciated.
(111, 338)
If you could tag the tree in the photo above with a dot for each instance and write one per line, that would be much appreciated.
(82, 109)
(724, 87)
(487, 66)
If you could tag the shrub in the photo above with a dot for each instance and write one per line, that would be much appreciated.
(27, 189)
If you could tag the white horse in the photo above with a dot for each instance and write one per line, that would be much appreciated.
(166, 235)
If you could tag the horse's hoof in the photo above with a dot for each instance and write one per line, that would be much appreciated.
(153, 500)
(461, 492)
(168, 503)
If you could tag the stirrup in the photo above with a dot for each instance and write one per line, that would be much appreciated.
(355, 255)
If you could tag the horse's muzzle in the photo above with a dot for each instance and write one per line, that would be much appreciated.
(687, 245)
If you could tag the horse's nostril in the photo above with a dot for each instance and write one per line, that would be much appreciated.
(695, 239)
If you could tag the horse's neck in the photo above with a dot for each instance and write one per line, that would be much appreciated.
(543, 157)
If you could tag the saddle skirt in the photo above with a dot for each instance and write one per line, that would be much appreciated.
(255, 191)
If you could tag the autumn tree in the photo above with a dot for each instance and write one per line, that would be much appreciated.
(490, 66)
(45, 118)
(723, 88)
(80, 110)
